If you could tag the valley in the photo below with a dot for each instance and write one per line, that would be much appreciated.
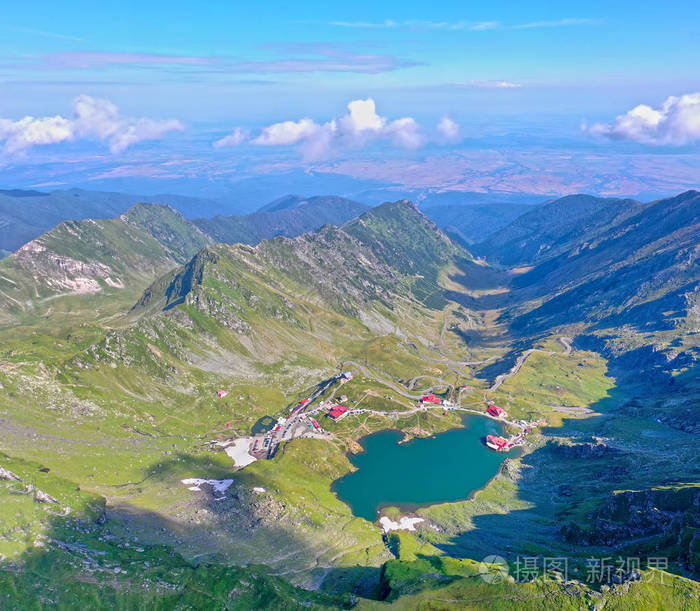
(108, 401)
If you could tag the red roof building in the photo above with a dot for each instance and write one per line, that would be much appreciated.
(496, 411)
(430, 399)
(497, 443)
(338, 411)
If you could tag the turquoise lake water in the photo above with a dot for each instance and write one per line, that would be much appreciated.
(446, 467)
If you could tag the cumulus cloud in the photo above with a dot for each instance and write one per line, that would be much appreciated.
(363, 116)
(31, 131)
(675, 123)
(287, 132)
(93, 118)
(237, 137)
(359, 127)
(405, 133)
(449, 129)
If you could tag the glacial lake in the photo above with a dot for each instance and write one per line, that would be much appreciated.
(446, 467)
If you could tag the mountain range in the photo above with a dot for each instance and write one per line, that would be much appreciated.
(470, 224)
(288, 216)
(118, 337)
(26, 214)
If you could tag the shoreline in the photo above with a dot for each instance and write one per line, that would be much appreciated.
(414, 507)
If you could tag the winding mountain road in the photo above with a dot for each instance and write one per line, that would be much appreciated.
(368, 374)
(564, 341)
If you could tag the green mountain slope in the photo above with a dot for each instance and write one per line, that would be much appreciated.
(470, 223)
(643, 272)
(109, 414)
(24, 215)
(388, 251)
(289, 216)
(632, 293)
(550, 228)
(97, 256)
(178, 236)
(288, 301)
(268, 323)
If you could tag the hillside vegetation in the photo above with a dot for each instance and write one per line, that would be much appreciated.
(549, 229)
(96, 256)
(109, 408)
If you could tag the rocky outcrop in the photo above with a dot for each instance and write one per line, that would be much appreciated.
(8, 476)
(668, 516)
(42, 497)
(583, 450)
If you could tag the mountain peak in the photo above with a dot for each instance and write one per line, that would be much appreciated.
(285, 202)
(139, 209)
(288, 216)
(548, 229)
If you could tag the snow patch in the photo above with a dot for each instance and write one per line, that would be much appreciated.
(238, 451)
(219, 485)
(404, 523)
(259, 490)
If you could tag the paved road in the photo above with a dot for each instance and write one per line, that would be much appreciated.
(298, 423)
(412, 383)
(400, 391)
(565, 341)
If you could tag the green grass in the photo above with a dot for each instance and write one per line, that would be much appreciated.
(122, 408)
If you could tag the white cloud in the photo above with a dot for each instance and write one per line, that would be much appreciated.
(31, 131)
(363, 116)
(298, 57)
(237, 137)
(405, 133)
(676, 123)
(475, 26)
(287, 132)
(99, 59)
(93, 118)
(359, 127)
(449, 129)
(554, 23)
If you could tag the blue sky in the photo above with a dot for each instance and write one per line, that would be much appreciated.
(208, 69)
(243, 54)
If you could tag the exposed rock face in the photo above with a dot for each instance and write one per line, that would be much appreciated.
(8, 476)
(685, 418)
(42, 497)
(671, 515)
(582, 450)
(62, 274)
(93, 256)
